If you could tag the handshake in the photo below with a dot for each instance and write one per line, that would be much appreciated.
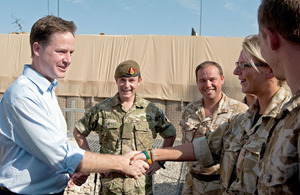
(140, 163)
(133, 164)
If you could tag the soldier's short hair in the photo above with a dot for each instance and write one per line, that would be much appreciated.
(206, 64)
(282, 16)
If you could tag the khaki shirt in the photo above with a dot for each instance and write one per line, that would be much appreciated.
(194, 124)
(237, 143)
(123, 131)
(280, 159)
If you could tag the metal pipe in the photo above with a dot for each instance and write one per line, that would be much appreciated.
(200, 17)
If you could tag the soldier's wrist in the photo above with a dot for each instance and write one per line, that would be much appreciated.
(162, 164)
(147, 153)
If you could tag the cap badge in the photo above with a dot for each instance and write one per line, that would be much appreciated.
(131, 70)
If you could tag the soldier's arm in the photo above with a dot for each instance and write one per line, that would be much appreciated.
(85, 125)
(183, 152)
(168, 132)
(80, 139)
(169, 141)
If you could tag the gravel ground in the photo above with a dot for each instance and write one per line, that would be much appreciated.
(166, 181)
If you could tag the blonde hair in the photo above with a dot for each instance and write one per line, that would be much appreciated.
(251, 48)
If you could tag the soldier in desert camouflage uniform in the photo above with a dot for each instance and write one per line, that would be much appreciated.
(200, 118)
(279, 34)
(249, 99)
(236, 144)
(125, 123)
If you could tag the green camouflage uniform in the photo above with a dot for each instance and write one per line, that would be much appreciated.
(237, 143)
(123, 131)
(194, 124)
(280, 159)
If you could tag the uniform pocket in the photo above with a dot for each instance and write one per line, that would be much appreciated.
(144, 135)
(282, 175)
(109, 138)
(229, 157)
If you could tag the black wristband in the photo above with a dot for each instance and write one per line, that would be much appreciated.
(162, 164)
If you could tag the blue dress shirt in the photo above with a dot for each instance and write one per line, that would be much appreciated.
(35, 157)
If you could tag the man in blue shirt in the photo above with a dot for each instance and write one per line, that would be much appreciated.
(35, 157)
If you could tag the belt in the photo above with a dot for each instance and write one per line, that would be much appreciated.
(4, 190)
(115, 175)
(205, 177)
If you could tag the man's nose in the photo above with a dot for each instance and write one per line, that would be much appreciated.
(67, 58)
(237, 70)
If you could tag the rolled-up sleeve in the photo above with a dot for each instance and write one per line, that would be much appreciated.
(202, 151)
(208, 149)
(73, 158)
(164, 126)
(90, 121)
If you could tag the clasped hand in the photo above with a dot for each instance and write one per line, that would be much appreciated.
(134, 169)
(141, 157)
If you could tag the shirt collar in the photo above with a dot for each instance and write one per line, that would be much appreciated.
(39, 80)
(138, 101)
(292, 104)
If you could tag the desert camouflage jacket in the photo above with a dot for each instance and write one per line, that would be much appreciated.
(237, 143)
(280, 163)
(194, 125)
(123, 131)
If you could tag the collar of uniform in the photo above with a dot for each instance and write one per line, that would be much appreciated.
(116, 100)
(138, 101)
(252, 109)
(223, 100)
(292, 104)
(39, 80)
(221, 108)
(278, 98)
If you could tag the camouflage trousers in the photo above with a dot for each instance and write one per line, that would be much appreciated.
(124, 185)
(197, 187)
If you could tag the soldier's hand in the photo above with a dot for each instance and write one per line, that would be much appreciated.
(153, 168)
(138, 156)
(135, 169)
(78, 179)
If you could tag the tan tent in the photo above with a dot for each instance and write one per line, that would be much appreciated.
(167, 63)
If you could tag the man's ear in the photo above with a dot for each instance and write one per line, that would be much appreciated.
(139, 81)
(273, 38)
(36, 48)
(222, 79)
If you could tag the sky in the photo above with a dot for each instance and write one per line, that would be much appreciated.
(215, 18)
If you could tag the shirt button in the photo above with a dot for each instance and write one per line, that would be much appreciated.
(269, 178)
(227, 146)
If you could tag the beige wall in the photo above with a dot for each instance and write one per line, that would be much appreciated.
(167, 63)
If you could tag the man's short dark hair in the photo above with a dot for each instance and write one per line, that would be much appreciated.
(206, 64)
(282, 16)
(44, 28)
